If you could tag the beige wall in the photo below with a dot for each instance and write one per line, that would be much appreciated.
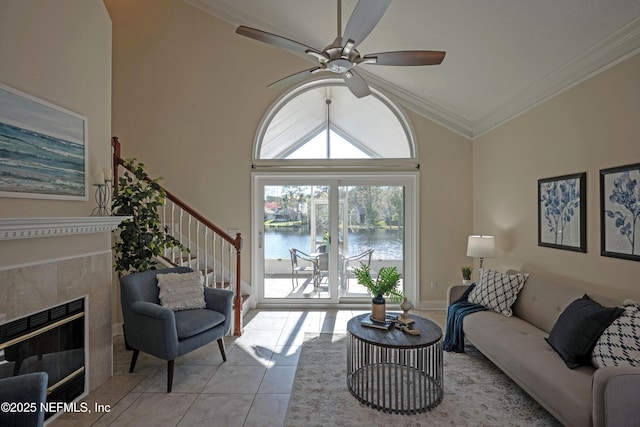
(59, 52)
(188, 95)
(592, 126)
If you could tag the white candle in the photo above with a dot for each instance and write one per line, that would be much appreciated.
(106, 173)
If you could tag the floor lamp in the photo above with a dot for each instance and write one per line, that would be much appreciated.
(481, 247)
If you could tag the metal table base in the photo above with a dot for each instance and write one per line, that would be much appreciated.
(395, 379)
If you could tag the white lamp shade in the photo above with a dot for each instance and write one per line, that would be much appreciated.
(481, 246)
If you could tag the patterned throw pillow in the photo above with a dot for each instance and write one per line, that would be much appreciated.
(497, 291)
(619, 344)
(181, 291)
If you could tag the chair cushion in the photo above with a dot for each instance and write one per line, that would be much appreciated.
(497, 291)
(181, 291)
(193, 322)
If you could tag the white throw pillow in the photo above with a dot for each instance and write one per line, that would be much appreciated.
(497, 291)
(619, 344)
(181, 291)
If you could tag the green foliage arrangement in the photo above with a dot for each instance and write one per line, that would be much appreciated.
(142, 238)
(386, 285)
(466, 272)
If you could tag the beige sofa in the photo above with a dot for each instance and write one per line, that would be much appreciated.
(584, 396)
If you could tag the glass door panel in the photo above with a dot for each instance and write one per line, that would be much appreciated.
(374, 231)
(296, 242)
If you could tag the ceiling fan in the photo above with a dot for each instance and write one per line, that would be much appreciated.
(341, 56)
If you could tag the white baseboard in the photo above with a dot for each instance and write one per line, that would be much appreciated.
(432, 305)
(116, 329)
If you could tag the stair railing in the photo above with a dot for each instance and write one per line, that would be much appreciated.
(211, 250)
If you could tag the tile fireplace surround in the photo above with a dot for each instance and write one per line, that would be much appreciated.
(35, 287)
(26, 290)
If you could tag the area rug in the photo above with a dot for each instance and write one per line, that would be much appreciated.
(476, 393)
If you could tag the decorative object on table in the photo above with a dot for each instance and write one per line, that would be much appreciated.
(142, 238)
(407, 329)
(386, 285)
(103, 194)
(620, 212)
(385, 325)
(481, 247)
(466, 274)
(562, 212)
(406, 306)
(44, 152)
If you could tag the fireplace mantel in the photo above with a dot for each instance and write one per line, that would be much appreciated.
(25, 228)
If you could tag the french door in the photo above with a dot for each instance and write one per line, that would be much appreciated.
(310, 231)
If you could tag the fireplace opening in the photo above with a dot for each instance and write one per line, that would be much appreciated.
(52, 341)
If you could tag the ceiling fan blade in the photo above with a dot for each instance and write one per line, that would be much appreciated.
(363, 20)
(406, 57)
(293, 78)
(356, 84)
(275, 40)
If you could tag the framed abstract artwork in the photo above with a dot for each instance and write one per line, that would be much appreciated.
(43, 149)
(620, 212)
(562, 212)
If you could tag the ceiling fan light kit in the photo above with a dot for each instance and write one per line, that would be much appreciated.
(341, 56)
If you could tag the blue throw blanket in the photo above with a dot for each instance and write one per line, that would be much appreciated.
(454, 336)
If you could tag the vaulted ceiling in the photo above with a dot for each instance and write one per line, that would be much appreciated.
(503, 56)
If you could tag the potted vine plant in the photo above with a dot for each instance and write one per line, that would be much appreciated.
(142, 238)
(466, 274)
(386, 285)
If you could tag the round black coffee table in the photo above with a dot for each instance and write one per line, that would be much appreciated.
(393, 371)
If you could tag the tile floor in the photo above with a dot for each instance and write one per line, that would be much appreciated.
(251, 389)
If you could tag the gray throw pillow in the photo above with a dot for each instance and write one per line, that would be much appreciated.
(181, 291)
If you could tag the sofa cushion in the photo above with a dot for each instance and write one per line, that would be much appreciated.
(519, 349)
(181, 291)
(578, 328)
(497, 291)
(619, 344)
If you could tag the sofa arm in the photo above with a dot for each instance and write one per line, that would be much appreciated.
(154, 330)
(28, 390)
(220, 300)
(454, 292)
(616, 393)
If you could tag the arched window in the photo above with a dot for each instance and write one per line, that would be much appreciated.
(323, 121)
(340, 179)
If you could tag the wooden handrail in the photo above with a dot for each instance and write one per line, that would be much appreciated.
(235, 242)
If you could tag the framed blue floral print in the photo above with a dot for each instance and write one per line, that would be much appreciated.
(620, 212)
(562, 222)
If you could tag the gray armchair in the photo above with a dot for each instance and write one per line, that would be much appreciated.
(28, 389)
(163, 333)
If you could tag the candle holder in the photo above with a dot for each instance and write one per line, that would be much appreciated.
(103, 199)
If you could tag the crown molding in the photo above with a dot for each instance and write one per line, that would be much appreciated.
(423, 107)
(25, 228)
(610, 51)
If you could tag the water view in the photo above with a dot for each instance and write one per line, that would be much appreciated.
(386, 242)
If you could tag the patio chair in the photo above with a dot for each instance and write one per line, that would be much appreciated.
(349, 264)
(310, 265)
(323, 267)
